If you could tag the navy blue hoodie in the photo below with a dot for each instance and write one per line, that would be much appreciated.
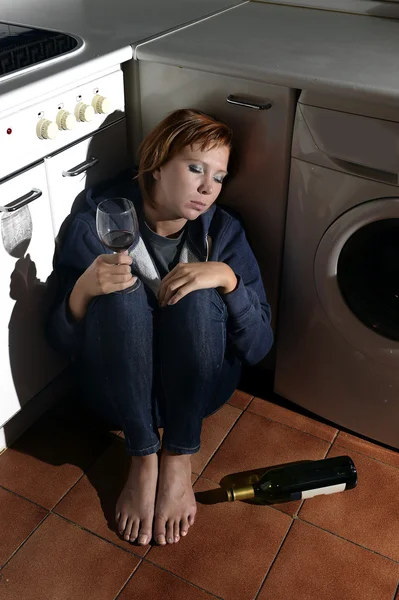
(248, 324)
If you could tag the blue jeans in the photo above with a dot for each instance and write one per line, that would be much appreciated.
(146, 367)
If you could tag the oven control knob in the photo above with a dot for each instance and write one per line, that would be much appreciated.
(84, 112)
(101, 104)
(46, 129)
(65, 120)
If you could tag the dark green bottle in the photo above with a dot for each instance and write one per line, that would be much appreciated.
(300, 480)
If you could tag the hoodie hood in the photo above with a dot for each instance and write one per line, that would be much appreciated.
(125, 186)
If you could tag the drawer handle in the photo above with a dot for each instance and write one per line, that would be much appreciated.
(256, 105)
(34, 194)
(85, 166)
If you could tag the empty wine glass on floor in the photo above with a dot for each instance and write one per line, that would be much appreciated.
(117, 226)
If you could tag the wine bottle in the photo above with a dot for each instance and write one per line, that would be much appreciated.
(300, 480)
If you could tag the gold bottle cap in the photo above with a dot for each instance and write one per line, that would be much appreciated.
(242, 493)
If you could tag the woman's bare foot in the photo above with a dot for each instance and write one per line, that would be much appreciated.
(135, 507)
(175, 506)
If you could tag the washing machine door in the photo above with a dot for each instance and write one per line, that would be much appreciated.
(356, 272)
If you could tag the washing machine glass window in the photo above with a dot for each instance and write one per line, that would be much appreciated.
(355, 282)
(368, 276)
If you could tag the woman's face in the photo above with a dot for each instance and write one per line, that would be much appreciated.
(189, 183)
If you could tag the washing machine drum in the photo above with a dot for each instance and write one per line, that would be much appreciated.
(357, 277)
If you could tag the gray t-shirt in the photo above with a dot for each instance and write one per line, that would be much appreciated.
(164, 250)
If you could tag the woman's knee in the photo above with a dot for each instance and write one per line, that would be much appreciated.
(120, 305)
(195, 330)
(121, 321)
(201, 305)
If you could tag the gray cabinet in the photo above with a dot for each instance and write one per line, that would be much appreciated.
(259, 190)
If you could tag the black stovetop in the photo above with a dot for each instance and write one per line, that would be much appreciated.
(22, 46)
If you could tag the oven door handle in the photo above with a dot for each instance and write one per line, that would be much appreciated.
(247, 104)
(85, 166)
(34, 194)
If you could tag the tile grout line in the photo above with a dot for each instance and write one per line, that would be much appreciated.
(84, 472)
(24, 498)
(65, 493)
(294, 428)
(335, 436)
(368, 456)
(327, 451)
(142, 558)
(220, 443)
(181, 578)
(25, 540)
(395, 597)
(274, 560)
(338, 431)
(349, 541)
(128, 580)
(97, 535)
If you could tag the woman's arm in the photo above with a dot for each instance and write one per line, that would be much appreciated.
(235, 275)
(82, 272)
(249, 313)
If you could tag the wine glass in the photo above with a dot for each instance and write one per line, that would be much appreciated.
(118, 227)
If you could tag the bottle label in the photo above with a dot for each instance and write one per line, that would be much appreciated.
(330, 489)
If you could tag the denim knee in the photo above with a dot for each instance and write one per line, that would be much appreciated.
(202, 306)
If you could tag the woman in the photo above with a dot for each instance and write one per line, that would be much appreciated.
(168, 353)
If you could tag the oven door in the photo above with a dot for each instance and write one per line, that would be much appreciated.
(87, 163)
(27, 363)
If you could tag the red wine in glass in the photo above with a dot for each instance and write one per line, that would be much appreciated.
(118, 240)
(117, 226)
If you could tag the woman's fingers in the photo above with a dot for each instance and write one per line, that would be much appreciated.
(115, 277)
(122, 278)
(182, 291)
(169, 287)
(118, 286)
(121, 258)
(127, 284)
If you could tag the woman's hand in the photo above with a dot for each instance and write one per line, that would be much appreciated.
(186, 278)
(107, 273)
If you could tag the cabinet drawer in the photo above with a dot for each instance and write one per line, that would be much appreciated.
(83, 165)
(263, 138)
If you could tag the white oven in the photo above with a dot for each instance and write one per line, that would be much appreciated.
(51, 149)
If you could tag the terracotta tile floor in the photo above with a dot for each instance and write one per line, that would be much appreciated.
(60, 481)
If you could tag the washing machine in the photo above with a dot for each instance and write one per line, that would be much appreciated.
(338, 329)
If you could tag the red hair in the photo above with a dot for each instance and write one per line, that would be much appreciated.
(181, 128)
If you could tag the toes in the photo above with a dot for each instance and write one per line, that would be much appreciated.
(184, 526)
(128, 529)
(191, 519)
(159, 531)
(169, 531)
(143, 539)
(160, 539)
(145, 532)
(135, 530)
(176, 531)
(122, 523)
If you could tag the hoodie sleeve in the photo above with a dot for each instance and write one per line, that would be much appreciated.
(78, 250)
(249, 314)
